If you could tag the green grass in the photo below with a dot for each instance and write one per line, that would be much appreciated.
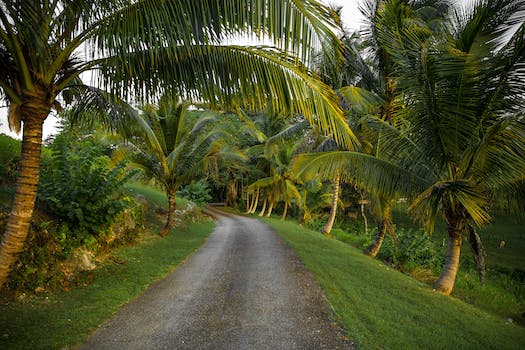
(513, 233)
(152, 195)
(55, 321)
(381, 308)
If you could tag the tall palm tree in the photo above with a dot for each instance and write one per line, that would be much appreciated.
(463, 97)
(461, 100)
(374, 91)
(142, 48)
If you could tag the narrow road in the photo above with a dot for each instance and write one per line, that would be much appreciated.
(244, 289)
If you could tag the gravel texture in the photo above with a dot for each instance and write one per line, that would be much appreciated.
(244, 289)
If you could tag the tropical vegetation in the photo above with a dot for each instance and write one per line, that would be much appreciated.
(458, 150)
(141, 49)
(416, 121)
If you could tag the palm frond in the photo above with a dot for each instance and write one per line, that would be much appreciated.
(229, 76)
(363, 101)
(293, 25)
(428, 204)
(293, 131)
(370, 173)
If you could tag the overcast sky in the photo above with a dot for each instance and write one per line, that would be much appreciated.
(351, 18)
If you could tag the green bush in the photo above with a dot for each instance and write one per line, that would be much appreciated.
(80, 189)
(46, 258)
(9, 157)
(197, 192)
(412, 248)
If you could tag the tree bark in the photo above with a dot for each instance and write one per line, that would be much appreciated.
(455, 226)
(478, 252)
(365, 219)
(19, 220)
(384, 225)
(231, 194)
(247, 201)
(170, 222)
(256, 202)
(269, 210)
(261, 213)
(285, 211)
(333, 210)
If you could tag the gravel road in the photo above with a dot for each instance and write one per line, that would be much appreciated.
(244, 289)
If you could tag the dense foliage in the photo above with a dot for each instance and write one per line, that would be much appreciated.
(9, 157)
(198, 192)
(79, 188)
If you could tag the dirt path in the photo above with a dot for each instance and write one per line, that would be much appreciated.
(244, 289)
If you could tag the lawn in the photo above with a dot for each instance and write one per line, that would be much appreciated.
(382, 308)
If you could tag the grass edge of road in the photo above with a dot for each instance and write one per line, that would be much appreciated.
(381, 308)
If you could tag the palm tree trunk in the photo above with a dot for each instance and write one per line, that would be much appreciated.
(477, 252)
(333, 210)
(256, 203)
(263, 208)
(384, 225)
(270, 210)
(455, 226)
(365, 220)
(231, 193)
(247, 201)
(19, 220)
(170, 222)
(285, 211)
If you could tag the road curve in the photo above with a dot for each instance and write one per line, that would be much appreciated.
(244, 289)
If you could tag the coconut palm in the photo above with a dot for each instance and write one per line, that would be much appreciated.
(374, 89)
(281, 184)
(461, 101)
(463, 97)
(143, 48)
(171, 148)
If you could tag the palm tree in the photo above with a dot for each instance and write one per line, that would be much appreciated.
(463, 97)
(171, 148)
(374, 91)
(462, 144)
(281, 185)
(143, 48)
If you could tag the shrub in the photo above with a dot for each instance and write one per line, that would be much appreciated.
(50, 259)
(9, 157)
(80, 189)
(197, 192)
(412, 248)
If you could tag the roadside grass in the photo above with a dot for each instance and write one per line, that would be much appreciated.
(152, 195)
(382, 308)
(65, 319)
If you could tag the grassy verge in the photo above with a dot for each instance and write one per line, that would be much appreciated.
(504, 290)
(55, 321)
(381, 308)
(152, 195)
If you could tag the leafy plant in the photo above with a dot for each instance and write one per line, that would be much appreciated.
(81, 190)
(9, 157)
(412, 248)
(197, 192)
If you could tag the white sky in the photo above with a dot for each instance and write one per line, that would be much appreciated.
(351, 18)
